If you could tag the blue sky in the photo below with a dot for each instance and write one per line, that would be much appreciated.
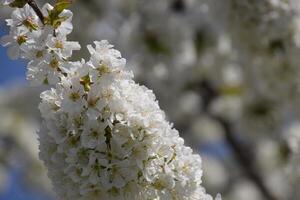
(16, 190)
(10, 70)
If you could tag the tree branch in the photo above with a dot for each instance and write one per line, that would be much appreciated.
(241, 151)
(37, 10)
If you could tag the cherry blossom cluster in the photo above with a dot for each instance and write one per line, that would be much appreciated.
(103, 135)
(45, 46)
(247, 51)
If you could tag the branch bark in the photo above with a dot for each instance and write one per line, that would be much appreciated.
(37, 10)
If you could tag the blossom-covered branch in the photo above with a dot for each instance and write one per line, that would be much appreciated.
(103, 135)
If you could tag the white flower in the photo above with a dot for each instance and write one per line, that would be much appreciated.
(95, 169)
(14, 41)
(94, 103)
(74, 173)
(92, 192)
(93, 134)
(66, 26)
(61, 46)
(118, 174)
(72, 98)
(37, 50)
(24, 18)
(106, 59)
(44, 72)
(74, 69)
(49, 109)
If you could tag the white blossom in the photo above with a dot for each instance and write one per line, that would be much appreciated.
(15, 40)
(61, 46)
(66, 25)
(24, 18)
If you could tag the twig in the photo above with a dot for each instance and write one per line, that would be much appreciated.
(37, 10)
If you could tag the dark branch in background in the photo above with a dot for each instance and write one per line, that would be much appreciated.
(241, 152)
(36, 9)
(178, 5)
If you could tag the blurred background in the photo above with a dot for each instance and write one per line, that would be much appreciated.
(225, 72)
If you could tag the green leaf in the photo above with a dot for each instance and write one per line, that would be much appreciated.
(85, 81)
(18, 3)
(60, 5)
(46, 82)
(53, 19)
